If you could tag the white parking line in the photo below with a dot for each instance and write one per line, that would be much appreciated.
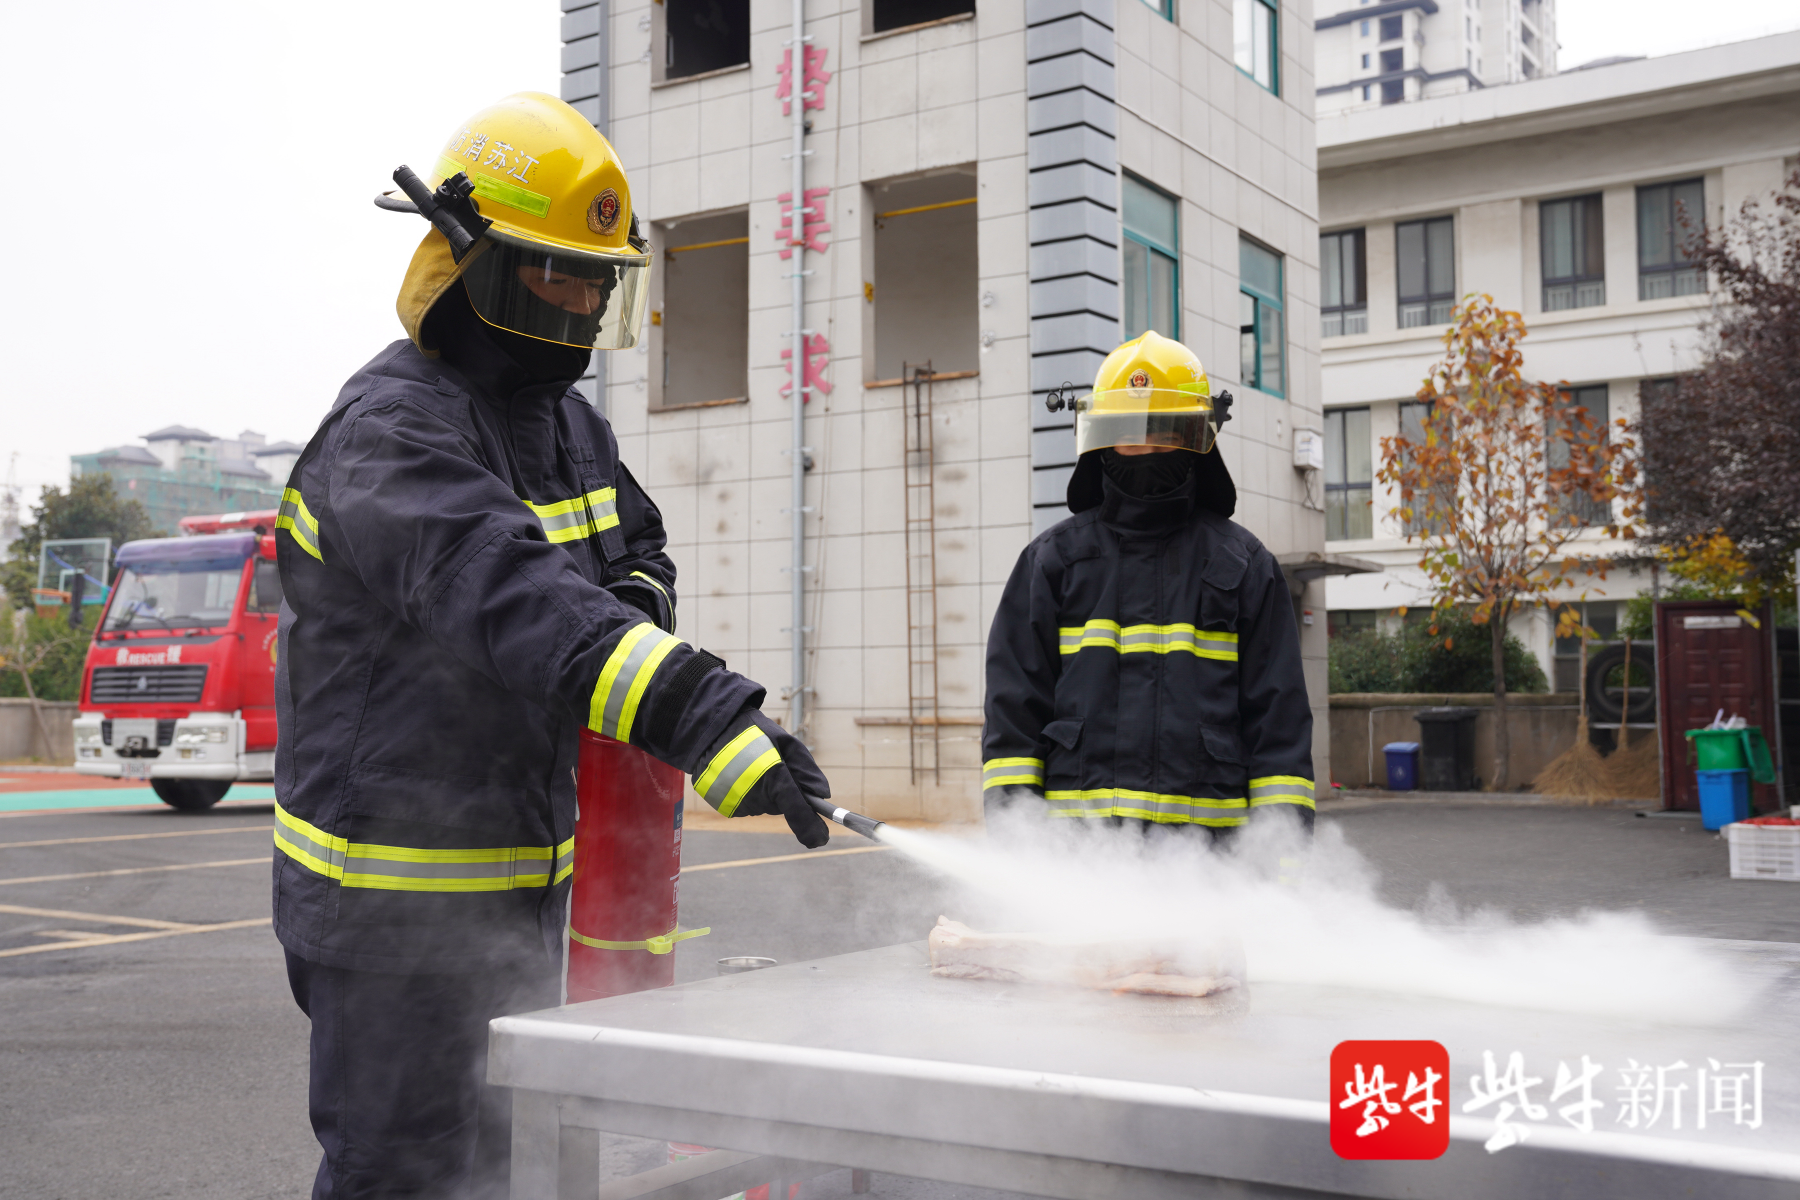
(224, 862)
(116, 939)
(134, 837)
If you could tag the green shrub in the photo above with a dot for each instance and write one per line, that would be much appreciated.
(1415, 660)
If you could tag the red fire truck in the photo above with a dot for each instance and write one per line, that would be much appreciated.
(179, 687)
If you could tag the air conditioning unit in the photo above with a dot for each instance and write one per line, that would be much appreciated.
(1309, 450)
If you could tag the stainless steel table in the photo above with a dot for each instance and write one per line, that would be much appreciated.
(867, 1061)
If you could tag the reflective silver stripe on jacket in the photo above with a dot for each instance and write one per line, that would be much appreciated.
(625, 677)
(1282, 789)
(578, 517)
(297, 519)
(416, 869)
(1012, 772)
(1147, 806)
(1148, 639)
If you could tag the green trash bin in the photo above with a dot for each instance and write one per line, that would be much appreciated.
(1732, 750)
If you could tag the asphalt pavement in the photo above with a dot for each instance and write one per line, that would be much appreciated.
(149, 1046)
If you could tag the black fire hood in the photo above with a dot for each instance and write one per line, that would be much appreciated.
(1213, 488)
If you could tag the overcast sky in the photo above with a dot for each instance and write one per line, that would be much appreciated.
(192, 238)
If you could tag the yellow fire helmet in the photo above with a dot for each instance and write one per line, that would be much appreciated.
(532, 211)
(1152, 391)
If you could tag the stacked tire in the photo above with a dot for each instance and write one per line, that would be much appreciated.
(1607, 690)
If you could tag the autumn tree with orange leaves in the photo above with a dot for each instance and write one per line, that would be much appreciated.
(1497, 521)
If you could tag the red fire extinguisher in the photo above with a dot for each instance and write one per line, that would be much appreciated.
(627, 871)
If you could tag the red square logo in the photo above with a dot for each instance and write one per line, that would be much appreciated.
(1390, 1099)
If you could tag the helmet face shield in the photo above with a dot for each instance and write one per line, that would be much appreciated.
(1144, 417)
(586, 300)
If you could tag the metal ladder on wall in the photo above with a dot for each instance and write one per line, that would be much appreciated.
(921, 574)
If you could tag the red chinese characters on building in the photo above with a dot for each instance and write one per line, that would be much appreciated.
(812, 222)
(818, 355)
(813, 79)
(1389, 1100)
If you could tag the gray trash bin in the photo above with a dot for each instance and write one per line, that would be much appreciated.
(1447, 749)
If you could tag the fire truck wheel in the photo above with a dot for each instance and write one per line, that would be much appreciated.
(189, 794)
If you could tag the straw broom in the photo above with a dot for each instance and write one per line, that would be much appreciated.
(1633, 772)
(1578, 773)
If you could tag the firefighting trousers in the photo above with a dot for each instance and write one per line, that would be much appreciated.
(397, 1094)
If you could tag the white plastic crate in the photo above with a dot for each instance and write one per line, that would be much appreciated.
(1764, 851)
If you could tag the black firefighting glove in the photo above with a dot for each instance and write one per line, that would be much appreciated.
(757, 767)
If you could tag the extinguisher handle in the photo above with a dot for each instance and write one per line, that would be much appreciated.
(855, 822)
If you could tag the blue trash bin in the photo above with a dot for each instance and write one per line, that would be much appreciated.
(1402, 766)
(1724, 797)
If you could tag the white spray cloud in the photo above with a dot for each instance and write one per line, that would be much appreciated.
(1329, 926)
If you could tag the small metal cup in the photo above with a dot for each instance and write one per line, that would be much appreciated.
(738, 964)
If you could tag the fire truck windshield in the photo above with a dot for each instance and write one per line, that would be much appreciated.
(151, 595)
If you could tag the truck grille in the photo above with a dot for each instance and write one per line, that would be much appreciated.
(149, 685)
(165, 731)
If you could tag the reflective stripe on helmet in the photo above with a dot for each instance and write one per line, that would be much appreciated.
(1012, 772)
(1147, 806)
(1151, 639)
(625, 677)
(1282, 789)
(298, 520)
(579, 517)
(734, 770)
(413, 869)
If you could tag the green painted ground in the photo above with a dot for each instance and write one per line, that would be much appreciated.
(112, 797)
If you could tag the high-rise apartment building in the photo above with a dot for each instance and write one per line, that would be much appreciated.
(989, 200)
(1368, 53)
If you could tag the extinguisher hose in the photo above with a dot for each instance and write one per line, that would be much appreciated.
(855, 822)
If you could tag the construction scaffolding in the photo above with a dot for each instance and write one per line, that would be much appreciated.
(921, 574)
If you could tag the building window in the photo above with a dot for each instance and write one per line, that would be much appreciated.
(704, 35)
(1593, 401)
(1343, 283)
(700, 327)
(1393, 91)
(923, 287)
(1254, 45)
(1574, 269)
(1365, 91)
(1412, 427)
(1349, 475)
(1392, 28)
(1351, 620)
(886, 15)
(1363, 31)
(1162, 8)
(1427, 270)
(1260, 341)
(1663, 267)
(1393, 61)
(1603, 619)
(1365, 62)
(1152, 260)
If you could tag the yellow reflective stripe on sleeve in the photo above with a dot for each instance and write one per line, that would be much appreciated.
(416, 869)
(1010, 772)
(1148, 639)
(624, 678)
(666, 598)
(578, 517)
(298, 520)
(1282, 789)
(660, 944)
(1147, 806)
(734, 770)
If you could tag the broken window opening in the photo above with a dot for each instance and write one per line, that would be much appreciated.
(700, 321)
(898, 14)
(704, 35)
(925, 276)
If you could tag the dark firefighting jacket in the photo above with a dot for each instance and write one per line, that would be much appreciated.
(471, 577)
(1144, 663)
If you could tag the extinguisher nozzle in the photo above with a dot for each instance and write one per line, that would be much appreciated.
(855, 822)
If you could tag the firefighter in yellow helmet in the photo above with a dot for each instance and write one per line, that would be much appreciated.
(1143, 668)
(471, 577)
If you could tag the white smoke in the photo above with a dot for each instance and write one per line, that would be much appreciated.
(1325, 925)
